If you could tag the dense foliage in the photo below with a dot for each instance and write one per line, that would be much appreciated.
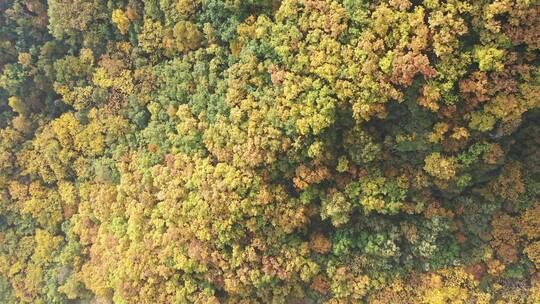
(252, 151)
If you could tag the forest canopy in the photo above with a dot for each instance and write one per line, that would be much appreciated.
(266, 151)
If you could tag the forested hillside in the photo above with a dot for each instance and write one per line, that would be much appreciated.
(266, 151)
